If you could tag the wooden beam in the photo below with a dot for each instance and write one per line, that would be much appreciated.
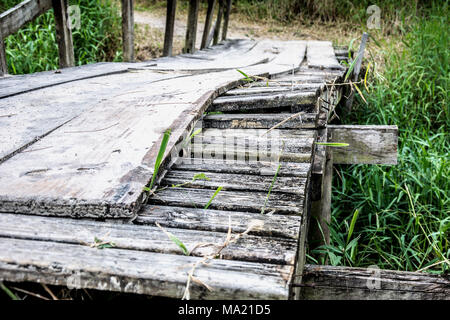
(191, 32)
(367, 144)
(226, 19)
(63, 34)
(128, 30)
(208, 21)
(344, 283)
(3, 64)
(218, 23)
(170, 25)
(13, 19)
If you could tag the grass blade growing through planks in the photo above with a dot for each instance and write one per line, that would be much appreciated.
(8, 292)
(270, 188)
(162, 150)
(213, 196)
(333, 144)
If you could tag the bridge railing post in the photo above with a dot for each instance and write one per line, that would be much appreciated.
(191, 32)
(63, 34)
(218, 22)
(128, 30)
(170, 25)
(208, 22)
(3, 64)
(226, 18)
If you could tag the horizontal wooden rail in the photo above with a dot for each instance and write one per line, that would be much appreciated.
(15, 18)
(344, 283)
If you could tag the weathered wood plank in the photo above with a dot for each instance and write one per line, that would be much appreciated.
(229, 181)
(258, 102)
(63, 34)
(138, 272)
(320, 54)
(368, 144)
(274, 88)
(208, 21)
(128, 30)
(146, 238)
(344, 283)
(14, 18)
(280, 203)
(287, 169)
(219, 221)
(191, 31)
(260, 121)
(170, 27)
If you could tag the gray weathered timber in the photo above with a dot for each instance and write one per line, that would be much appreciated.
(63, 34)
(226, 19)
(3, 63)
(97, 164)
(18, 84)
(273, 87)
(344, 283)
(14, 18)
(146, 238)
(320, 54)
(128, 30)
(170, 27)
(229, 181)
(287, 169)
(368, 144)
(280, 203)
(260, 121)
(191, 31)
(220, 221)
(208, 21)
(258, 102)
(138, 271)
(218, 22)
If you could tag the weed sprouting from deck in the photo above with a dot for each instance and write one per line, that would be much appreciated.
(159, 158)
(8, 292)
(213, 196)
(270, 188)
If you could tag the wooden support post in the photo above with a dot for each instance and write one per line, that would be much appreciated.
(170, 25)
(226, 19)
(218, 23)
(208, 21)
(63, 34)
(356, 70)
(191, 32)
(128, 30)
(3, 64)
(325, 208)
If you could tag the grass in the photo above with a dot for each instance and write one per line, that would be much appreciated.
(33, 48)
(404, 210)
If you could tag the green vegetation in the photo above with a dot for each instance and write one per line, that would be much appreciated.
(33, 48)
(404, 210)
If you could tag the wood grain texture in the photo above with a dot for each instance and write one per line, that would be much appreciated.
(14, 18)
(146, 238)
(3, 62)
(128, 30)
(139, 272)
(280, 203)
(368, 144)
(320, 54)
(260, 121)
(344, 283)
(63, 34)
(219, 221)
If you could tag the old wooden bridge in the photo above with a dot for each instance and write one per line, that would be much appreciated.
(225, 219)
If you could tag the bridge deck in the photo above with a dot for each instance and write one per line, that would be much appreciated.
(82, 144)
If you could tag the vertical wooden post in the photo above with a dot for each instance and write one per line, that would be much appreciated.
(191, 32)
(226, 20)
(63, 34)
(208, 21)
(325, 210)
(218, 22)
(3, 64)
(356, 70)
(128, 30)
(170, 25)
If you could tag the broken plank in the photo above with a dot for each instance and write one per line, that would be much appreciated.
(258, 102)
(279, 203)
(260, 121)
(368, 144)
(320, 54)
(219, 221)
(139, 272)
(146, 238)
(229, 181)
(287, 169)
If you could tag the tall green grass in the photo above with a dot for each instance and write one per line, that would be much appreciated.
(33, 48)
(404, 210)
